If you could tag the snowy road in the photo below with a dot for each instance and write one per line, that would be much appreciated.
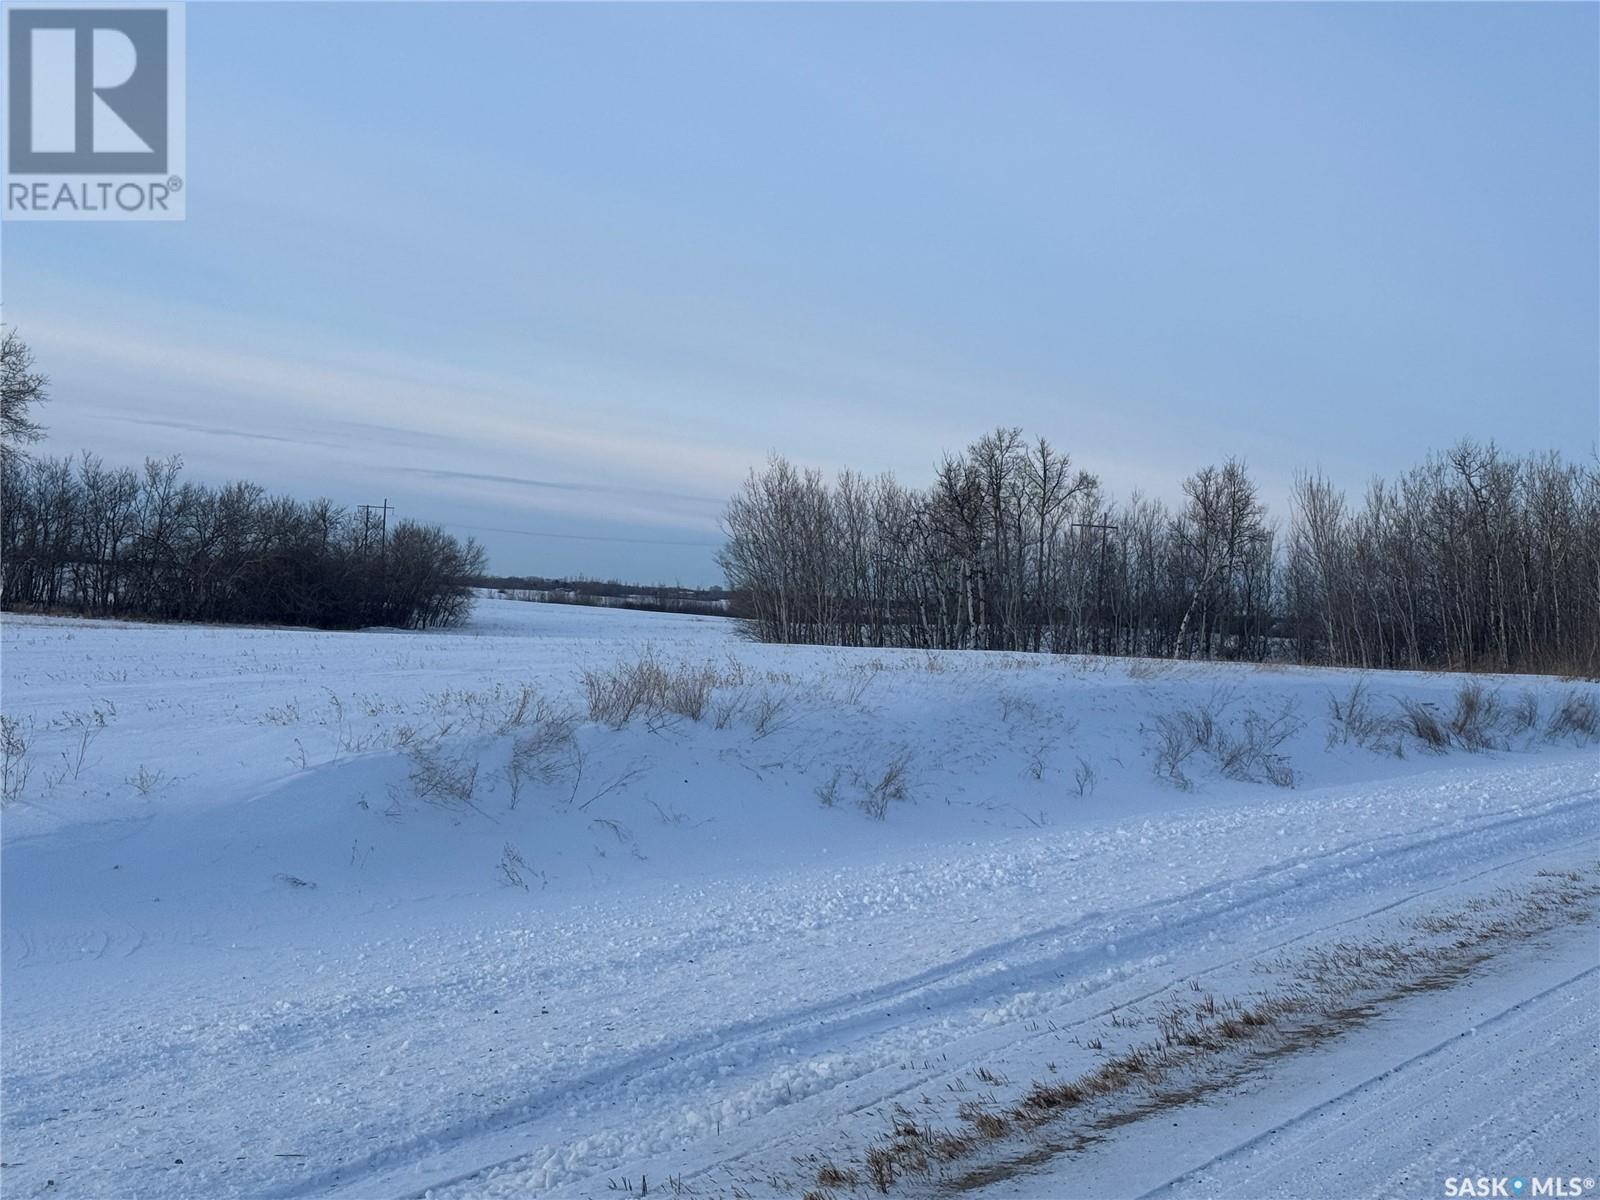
(1512, 1091)
(1497, 1077)
(282, 978)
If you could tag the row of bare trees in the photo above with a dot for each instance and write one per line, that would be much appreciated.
(1472, 560)
(79, 536)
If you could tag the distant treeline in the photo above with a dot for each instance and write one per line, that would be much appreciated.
(1472, 560)
(78, 536)
(612, 593)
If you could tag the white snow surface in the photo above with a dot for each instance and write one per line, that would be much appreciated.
(243, 958)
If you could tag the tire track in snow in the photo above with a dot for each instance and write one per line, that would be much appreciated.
(1371, 1083)
(950, 1066)
(1295, 886)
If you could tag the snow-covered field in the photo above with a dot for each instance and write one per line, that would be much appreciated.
(291, 914)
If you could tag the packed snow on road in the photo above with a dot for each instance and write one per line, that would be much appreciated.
(582, 902)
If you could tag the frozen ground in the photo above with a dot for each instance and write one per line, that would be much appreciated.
(243, 956)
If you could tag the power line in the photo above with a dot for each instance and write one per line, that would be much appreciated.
(581, 537)
(366, 511)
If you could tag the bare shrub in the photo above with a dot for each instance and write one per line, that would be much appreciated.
(443, 779)
(879, 789)
(543, 753)
(1353, 718)
(513, 869)
(880, 1169)
(1476, 714)
(15, 766)
(1178, 737)
(1036, 757)
(765, 711)
(1576, 716)
(1184, 731)
(1524, 714)
(831, 1176)
(648, 687)
(1147, 668)
(286, 714)
(346, 740)
(144, 780)
(96, 716)
(1246, 749)
(985, 1122)
(1474, 718)
(85, 726)
(1250, 752)
(855, 688)
(1419, 720)
(1278, 772)
(687, 691)
(1013, 704)
(1085, 777)
(524, 704)
(725, 709)
(828, 793)
(615, 695)
(618, 782)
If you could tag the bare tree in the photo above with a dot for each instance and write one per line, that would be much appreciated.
(117, 542)
(1221, 523)
(1470, 559)
(21, 389)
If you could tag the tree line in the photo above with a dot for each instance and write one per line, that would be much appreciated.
(78, 536)
(82, 537)
(1472, 560)
(612, 593)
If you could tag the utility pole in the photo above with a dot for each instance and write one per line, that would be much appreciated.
(367, 511)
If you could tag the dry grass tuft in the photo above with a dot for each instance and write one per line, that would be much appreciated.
(831, 1176)
(1246, 748)
(1353, 718)
(1477, 712)
(1577, 716)
(1422, 723)
(651, 688)
(881, 788)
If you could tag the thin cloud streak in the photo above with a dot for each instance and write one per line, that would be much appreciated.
(556, 485)
(483, 409)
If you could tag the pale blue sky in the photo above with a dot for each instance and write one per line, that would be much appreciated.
(572, 269)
